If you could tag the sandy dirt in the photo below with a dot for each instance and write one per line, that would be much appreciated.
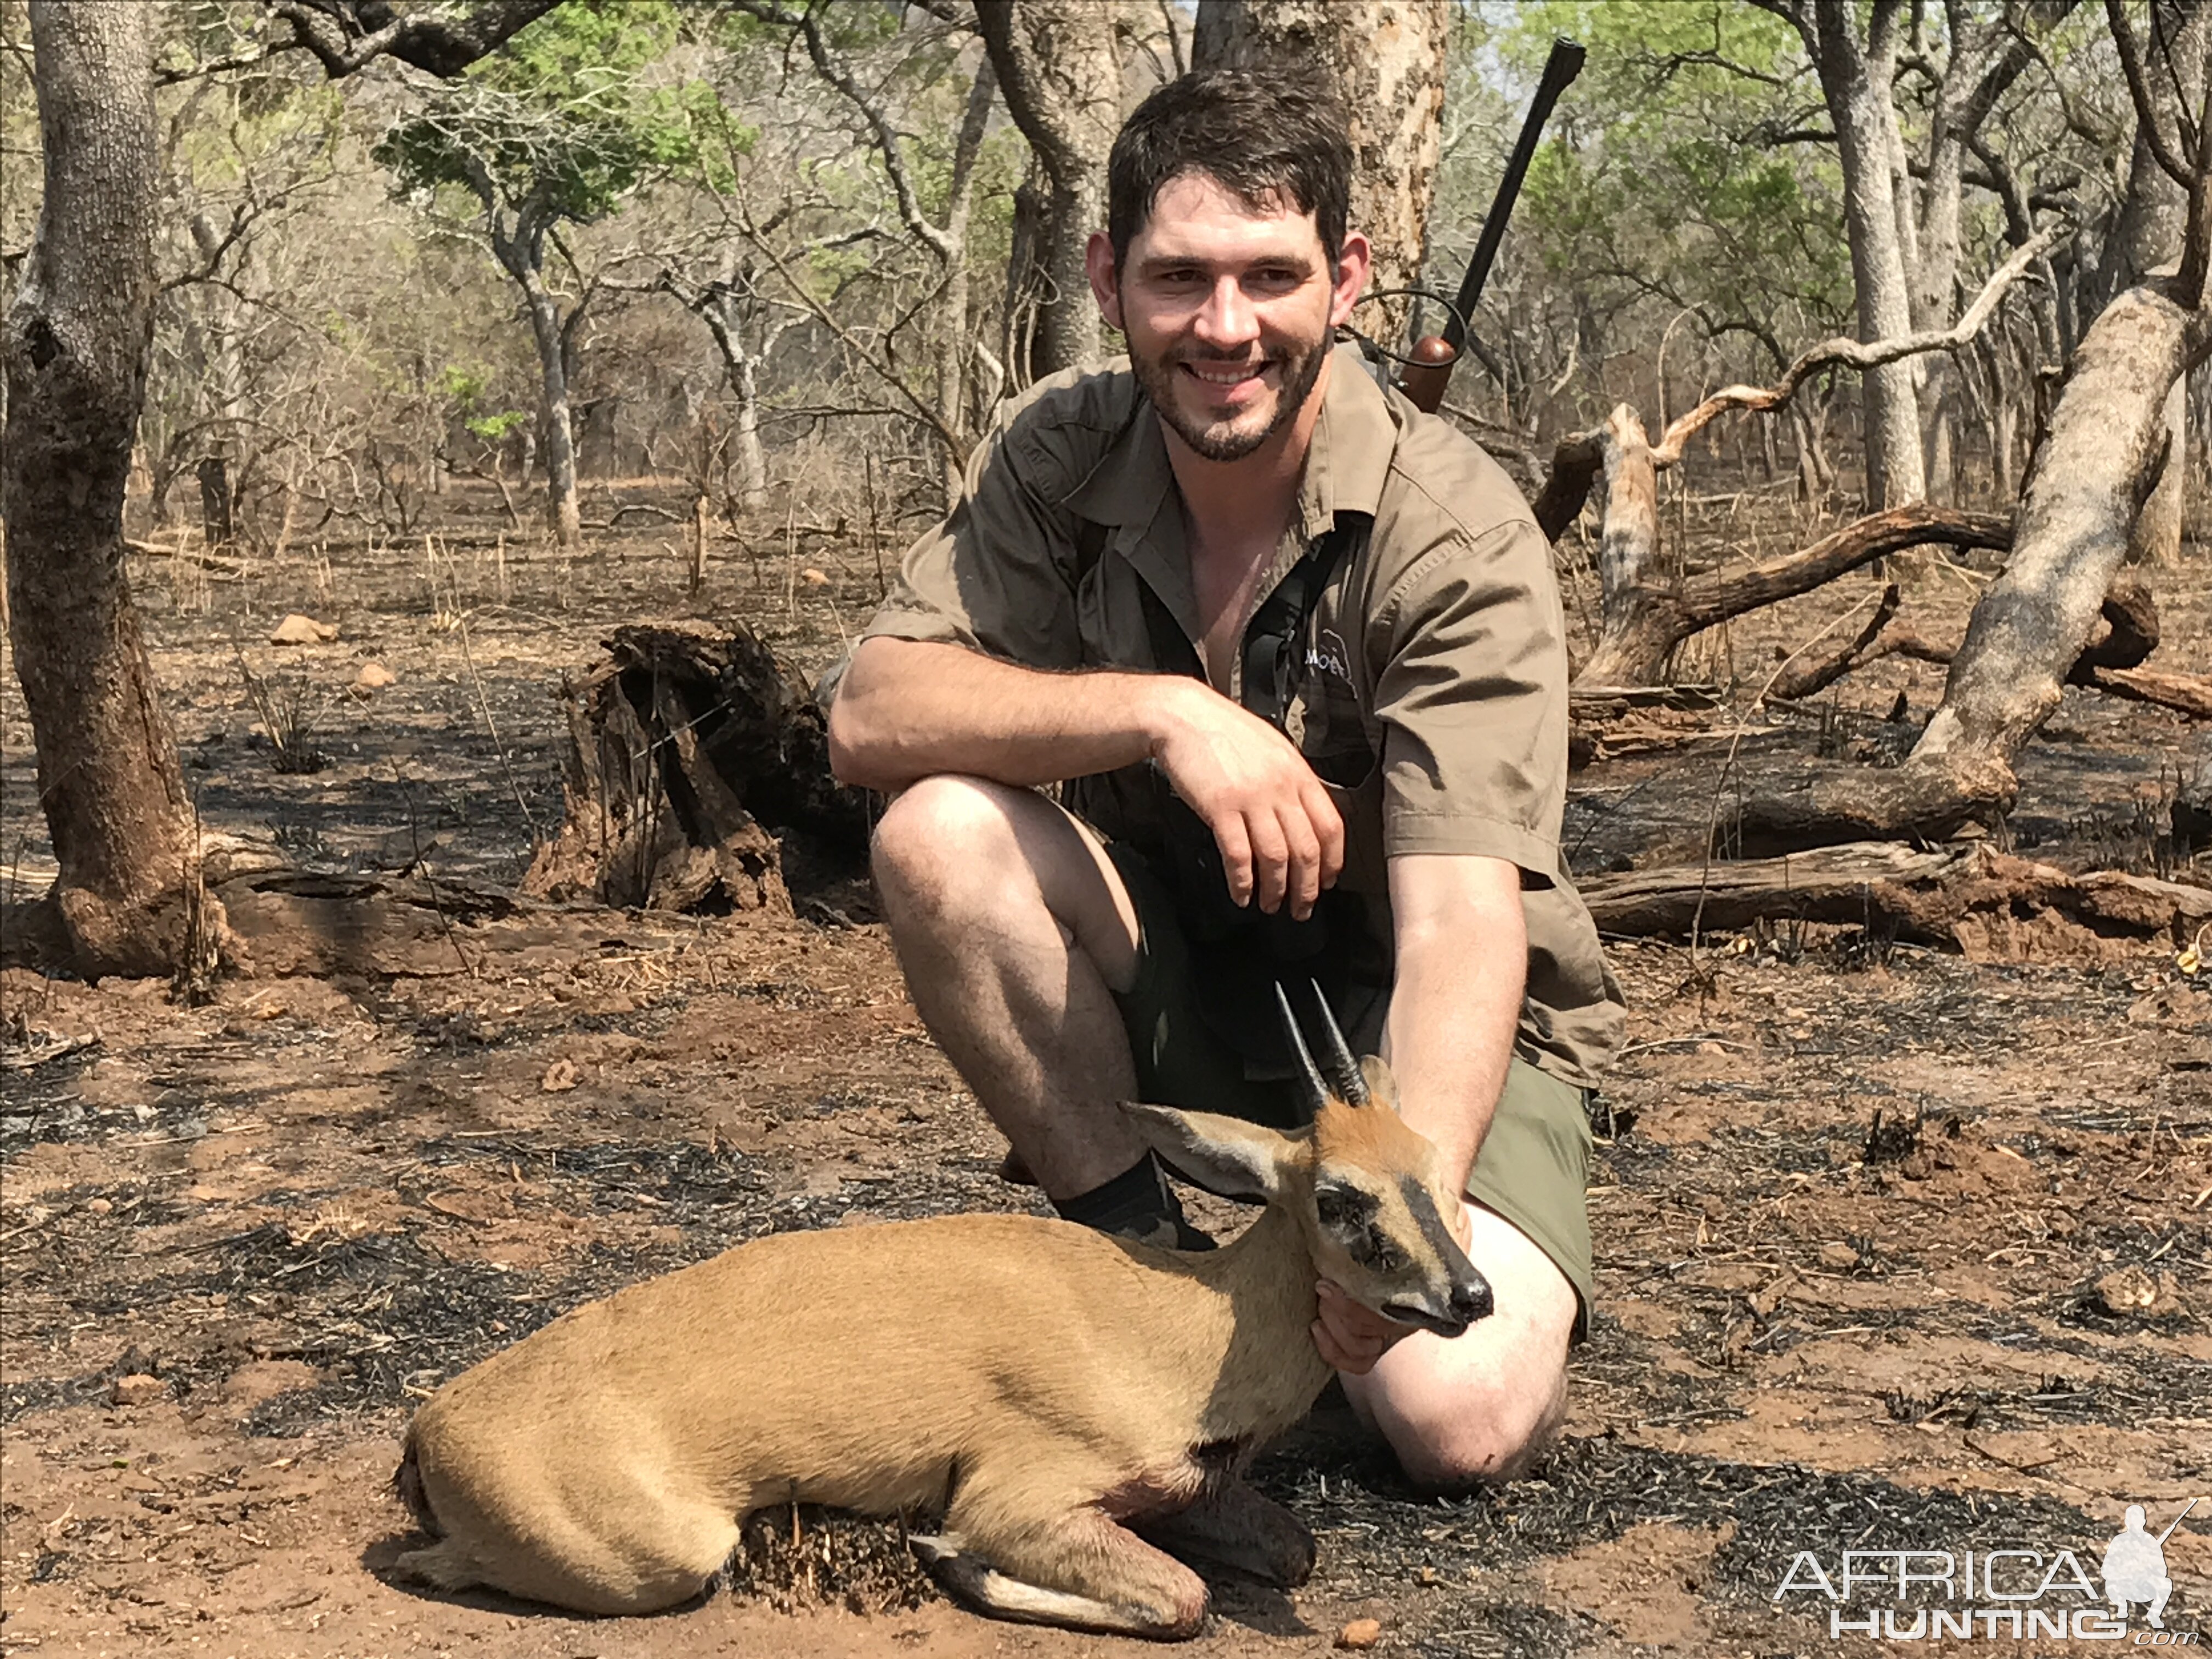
(286, 1216)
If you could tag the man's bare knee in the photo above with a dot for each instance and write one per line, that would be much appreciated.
(937, 829)
(963, 850)
(1475, 1437)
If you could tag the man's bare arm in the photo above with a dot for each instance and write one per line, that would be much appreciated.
(1462, 966)
(1463, 946)
(909, 709)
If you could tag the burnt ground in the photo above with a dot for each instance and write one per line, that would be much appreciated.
(1896, 1249)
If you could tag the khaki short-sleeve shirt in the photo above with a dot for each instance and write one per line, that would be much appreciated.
(1436, 670)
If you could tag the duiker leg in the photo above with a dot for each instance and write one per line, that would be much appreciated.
(1238, 1527)
(1083, 1571)
(1014, 932)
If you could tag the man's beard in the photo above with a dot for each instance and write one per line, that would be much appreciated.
(1221, 442)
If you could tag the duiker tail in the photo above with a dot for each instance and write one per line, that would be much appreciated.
(407, 1487)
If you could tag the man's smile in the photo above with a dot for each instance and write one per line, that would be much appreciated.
(1225, 381)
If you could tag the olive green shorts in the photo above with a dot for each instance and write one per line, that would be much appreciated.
(1534, 1161)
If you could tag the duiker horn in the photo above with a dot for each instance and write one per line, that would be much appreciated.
(1316, 1091)
(1351, 1084)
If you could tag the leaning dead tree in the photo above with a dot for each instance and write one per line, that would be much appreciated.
(1641, 619)
(2106, 444)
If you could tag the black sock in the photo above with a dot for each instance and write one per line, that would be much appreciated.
(1136, 1204)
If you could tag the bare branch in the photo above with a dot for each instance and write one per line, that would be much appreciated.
(839, 73)
(2124, 37)
(347, 36)
(1857, 354)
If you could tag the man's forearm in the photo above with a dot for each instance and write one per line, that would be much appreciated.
(906, 709)
(1462, 950)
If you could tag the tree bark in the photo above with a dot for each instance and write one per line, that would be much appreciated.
(2089, 479)
(951, 341)
(521, 251)
(1059, 72)
(689, 744)
(77, 338)
(1857, 80)
(1385, 60)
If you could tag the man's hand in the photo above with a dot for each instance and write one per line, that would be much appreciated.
(1351, 1337)
(1281, 834)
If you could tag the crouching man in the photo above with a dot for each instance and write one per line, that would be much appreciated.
(1292, 652)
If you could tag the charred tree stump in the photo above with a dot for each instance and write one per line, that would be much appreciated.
(694, 760)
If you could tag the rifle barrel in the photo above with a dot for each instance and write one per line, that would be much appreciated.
(1560, 71)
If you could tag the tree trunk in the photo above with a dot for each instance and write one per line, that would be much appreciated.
(718, 307)
(77, 339)
(1385, 60)
(2152, 222)
(1059, 72)
(951, 341)
(2088, 480)
(1855, 78)
(561, 513)
(2106, 433)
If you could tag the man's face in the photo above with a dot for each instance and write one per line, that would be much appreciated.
(1227, 311)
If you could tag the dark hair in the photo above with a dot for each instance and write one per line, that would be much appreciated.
(1263, 131)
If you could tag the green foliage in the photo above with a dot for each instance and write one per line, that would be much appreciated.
(565, 122)
(465, 386)
(1683, 167)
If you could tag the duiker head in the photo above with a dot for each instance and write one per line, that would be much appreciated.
(1366, 1187)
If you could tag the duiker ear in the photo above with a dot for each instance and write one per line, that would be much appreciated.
(1382, 1087)
(1223, 1155)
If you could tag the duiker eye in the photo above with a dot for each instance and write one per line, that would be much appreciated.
(1342, 1207)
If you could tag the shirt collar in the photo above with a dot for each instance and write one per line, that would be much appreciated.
(1352, 443)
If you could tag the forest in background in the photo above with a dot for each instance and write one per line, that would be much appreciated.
(791, 256)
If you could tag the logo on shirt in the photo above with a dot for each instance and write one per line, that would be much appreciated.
(1328, 654)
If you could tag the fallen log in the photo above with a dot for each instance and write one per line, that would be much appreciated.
(2185, 694)
(695, 761)
(1966, 897)
(287, 923)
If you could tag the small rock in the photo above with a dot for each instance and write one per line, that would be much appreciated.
(1839, 1258)
(1360, 1634)
(560, 1077)
(2132, 1290)
(813, 578)
(374, 677)
(137, 1389)
(98, 1206)
(296, 630)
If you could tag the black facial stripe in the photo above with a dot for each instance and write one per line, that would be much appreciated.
(1436, 1236)
(1347, 1214)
